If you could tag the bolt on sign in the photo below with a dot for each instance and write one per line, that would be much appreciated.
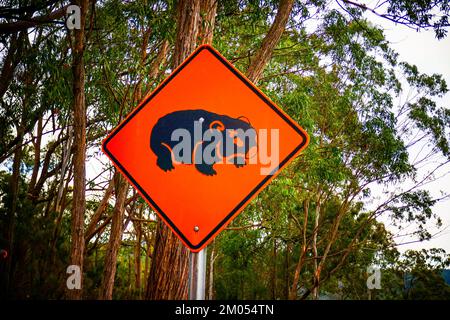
(202, 145)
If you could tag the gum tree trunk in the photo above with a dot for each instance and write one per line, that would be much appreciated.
(271, 39)
(79, 169)
(208, 9)
(115, 238)
(169, 269)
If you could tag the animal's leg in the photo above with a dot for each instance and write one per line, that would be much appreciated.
(239, 161)
(164, 158)
(200, 164)
(206, 169)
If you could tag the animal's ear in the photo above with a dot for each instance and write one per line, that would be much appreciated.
(216, 124)
(244, 118)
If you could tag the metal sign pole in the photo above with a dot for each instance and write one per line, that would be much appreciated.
(197, 275)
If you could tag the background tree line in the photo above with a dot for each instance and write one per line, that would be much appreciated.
(310, 232)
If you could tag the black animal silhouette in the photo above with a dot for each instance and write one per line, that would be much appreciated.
(162, 144)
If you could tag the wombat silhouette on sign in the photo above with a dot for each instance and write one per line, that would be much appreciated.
(161, 139)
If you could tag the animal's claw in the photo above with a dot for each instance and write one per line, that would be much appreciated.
(165, 165)
(206, 169)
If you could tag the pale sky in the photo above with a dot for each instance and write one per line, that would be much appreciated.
(430, 56)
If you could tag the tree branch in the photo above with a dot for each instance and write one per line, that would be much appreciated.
(13, 27)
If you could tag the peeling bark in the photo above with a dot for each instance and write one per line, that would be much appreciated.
(169, 270)
(90, 231)
(79, 169)
(115, 238)
(208, 9)
(270, 41)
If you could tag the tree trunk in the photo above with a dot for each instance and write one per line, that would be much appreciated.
(115, 238)
(286, 274)
(315, 291)
(169, 268)
(58, 220)
(147, 261)
(66, 153)
(301, 259)
(90, 230)
(168, 278)
(270, 41)
(332, 239)
(274, 270)
(37, 156)
(208, 9)
(188, 17)
(159, 60)
(137, 252)
(6, 274)
(79, 120)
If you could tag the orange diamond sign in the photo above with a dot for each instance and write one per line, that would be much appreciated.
(202, 145)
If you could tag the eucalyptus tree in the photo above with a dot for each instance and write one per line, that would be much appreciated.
(341, 82)
(321, 61)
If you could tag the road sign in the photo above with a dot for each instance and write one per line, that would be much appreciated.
(202, 145)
